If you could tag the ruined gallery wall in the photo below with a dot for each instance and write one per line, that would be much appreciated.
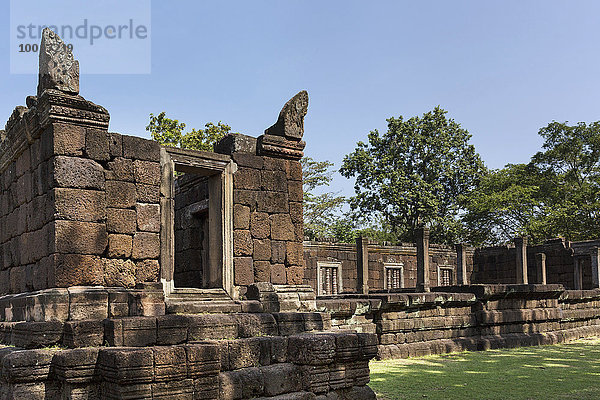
(494, 265)
(345, 254)
(267, 197)
(379, 256)
(560, 263)
(439, 256)
(498, 264)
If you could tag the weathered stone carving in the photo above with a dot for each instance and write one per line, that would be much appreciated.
(58, 68)
(31, 101)
(290, 123)
(284, 139)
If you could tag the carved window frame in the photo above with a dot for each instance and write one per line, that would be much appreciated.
(329, 264)
(447, 268)
(219, 169)
(393, 266)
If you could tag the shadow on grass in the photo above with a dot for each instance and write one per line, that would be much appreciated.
(568, 371)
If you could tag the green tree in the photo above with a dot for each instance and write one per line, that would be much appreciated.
(416, 172)
(508, 202)
(571, 158)
(321, 211)
(556, 194)
(169, 132)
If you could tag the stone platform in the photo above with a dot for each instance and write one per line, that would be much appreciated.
(115, 343)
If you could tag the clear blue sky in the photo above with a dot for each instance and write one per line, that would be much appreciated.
(502, 69)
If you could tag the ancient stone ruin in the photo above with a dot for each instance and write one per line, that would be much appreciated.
(134, 271)
(127, 268)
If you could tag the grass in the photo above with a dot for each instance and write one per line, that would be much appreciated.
(567, 371)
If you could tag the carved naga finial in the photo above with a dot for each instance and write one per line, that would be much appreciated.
(58, 68)
(290, 123)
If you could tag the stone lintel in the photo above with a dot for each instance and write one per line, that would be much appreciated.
(236, 143)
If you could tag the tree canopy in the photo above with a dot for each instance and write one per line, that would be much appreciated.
(416, 172)
(556, 195)
(507, 202)
(169, 132)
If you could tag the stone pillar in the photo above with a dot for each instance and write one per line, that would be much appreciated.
(521, 259)
(362, 264)
(540, 260)
(461, 264)
(578, 274)
(595, 262)
(422, 236)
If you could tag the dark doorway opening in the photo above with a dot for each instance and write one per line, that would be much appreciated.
(191, 230)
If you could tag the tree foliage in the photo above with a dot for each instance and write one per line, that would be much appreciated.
(169, 132)
(556, 194)
(507, 203)
(321, 211)
(416, 172)
(571, 158)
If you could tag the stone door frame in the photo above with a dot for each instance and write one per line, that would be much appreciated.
(219, 169)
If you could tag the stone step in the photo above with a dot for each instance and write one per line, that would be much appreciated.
(177, 306)
(199, 294)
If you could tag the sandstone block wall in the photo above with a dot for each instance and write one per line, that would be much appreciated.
(495, 265)
(307, 367)
(113, 240)
(26, 208)
(268, 221)
(560, 261)
(96, 345)
(79, 205)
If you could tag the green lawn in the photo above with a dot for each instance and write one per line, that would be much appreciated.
(567, 371)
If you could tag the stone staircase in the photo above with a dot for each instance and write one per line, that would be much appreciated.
(198, 301)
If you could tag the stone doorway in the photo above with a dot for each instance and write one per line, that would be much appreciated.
(192, 231)
(196, 222)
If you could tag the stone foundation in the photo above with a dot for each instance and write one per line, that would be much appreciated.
(237, 356)
(479, 318)
(114, 343)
